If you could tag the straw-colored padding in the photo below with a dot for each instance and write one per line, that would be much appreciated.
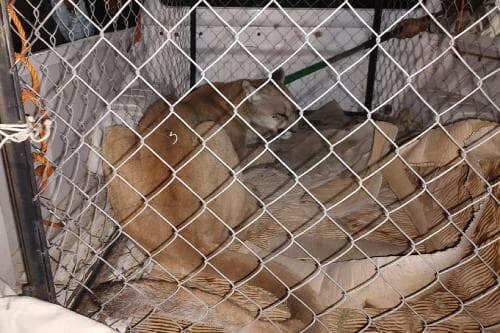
(159, 323)
(137, 300)
(249, 297)
(473, 279)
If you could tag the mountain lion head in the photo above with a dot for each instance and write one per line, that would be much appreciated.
(267, 109)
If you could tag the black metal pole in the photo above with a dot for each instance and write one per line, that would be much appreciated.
(21, 179)
(372, 61)
(76, 298)
(192, 47)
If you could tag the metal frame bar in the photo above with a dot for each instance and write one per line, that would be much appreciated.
(192, 47)
(21, 179)
(308, 4)
(76, 297)
(372, 61)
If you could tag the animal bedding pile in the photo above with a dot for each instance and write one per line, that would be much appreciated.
(336, 231)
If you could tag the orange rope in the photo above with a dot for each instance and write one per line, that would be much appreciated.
(460, 16)
(137, 31)
(43, 170)
(49, 223)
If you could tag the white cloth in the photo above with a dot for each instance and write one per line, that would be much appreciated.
(23, 314)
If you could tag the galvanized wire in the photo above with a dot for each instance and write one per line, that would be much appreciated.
(106, 75)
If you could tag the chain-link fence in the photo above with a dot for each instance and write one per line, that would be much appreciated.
(188, 184)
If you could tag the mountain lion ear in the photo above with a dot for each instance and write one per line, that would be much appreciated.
(279, 75)
(250, 90)
(247, 87)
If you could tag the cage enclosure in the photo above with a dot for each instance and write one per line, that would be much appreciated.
(188, 184)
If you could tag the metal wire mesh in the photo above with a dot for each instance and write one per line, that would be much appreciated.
(355, 224)
(432, 64)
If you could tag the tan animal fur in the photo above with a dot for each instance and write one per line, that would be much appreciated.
(148, 201)
(170, 142)
(265, 108)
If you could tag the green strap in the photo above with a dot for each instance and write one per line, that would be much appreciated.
(322, 64)
(304, 72)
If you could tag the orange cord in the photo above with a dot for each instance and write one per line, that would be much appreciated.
(460, 16)
(44, 169)
(138, 30)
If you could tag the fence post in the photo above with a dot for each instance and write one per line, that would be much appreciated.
(21, 179)
(372, 62)
(192, 47)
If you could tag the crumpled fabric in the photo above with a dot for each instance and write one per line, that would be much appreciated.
(24, 314)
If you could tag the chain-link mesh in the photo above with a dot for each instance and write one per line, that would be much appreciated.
(256, 206)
